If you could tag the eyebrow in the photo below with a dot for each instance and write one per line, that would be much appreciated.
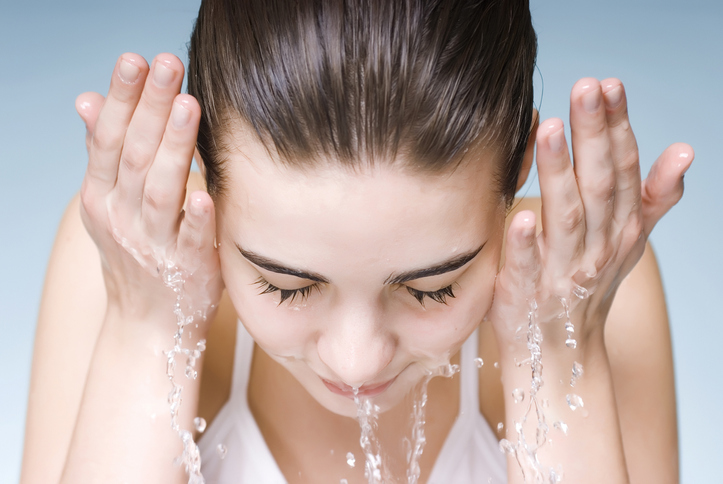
(274, 266)
(441, 268)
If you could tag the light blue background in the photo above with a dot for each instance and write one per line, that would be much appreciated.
(667, 52)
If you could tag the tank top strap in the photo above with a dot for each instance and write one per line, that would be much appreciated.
(469, 376)
(242, 363)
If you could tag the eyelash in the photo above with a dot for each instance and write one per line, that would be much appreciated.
(439, 296)
(304, 292)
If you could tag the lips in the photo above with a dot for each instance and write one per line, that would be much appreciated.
(367, 391)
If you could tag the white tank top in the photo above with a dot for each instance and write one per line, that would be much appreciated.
(470, 455)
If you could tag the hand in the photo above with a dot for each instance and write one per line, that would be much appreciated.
(140, 142)
(558, 286)
(596, 217)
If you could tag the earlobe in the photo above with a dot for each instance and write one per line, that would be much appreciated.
(529, 151)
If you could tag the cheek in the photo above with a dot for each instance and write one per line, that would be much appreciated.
(439, 331)
(281, 330)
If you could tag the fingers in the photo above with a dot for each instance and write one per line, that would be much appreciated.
(522, 262)
(165, 184)
(594, 165)
(88, 106)
(112, 122)
(563, 214)
(146, 128)
(663, 187)
(624, 151)
(197, 232)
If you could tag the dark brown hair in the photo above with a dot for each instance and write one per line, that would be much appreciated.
(363, 80)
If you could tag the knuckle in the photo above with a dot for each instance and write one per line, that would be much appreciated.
(134, 158)
(156, 104)
(105, 139)
(603, 187)
(573, 219)
(629, 165)
(157, 198)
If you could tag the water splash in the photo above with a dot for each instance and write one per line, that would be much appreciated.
(175, 279)
(524, 451)
(350, 459)
(367, 415)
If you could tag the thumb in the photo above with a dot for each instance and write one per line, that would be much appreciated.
(522, 260)
(663, 187)
(88, 106)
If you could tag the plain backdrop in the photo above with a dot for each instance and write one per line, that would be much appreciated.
(668, 54)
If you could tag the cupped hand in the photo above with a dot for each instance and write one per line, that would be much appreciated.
(596, 217)
(140, 142)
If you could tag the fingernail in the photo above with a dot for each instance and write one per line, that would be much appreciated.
(614, 98)
(557, 140)
(162, 75)
(591, 101)
(179, 116)
(128, 72)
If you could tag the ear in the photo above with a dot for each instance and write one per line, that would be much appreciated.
(199, 162)
(529, 151)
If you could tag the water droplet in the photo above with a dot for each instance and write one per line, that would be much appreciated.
(580, 292)
(191, 373)
(343, 481)
(518, 394)
(561, 426)
(571, 343)
(448, 371)
(199, 423)
(569, 327)
(478, 362)
(350, 459)
(546, 403)
(201, 345)
(577, 372)
(497, 364)
(574, 401)
(506, 447)
(221, 450)
(500, 426)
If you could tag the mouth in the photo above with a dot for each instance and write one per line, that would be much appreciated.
(367, 391)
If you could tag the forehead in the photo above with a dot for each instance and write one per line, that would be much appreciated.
(383, 213)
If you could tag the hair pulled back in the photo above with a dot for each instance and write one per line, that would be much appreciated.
(365, 80)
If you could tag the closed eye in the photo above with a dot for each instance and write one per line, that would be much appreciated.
(439, 296)
(286, 294)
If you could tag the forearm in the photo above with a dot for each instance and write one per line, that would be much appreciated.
(592, 450)
(123, 431)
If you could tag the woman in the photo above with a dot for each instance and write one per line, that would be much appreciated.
(360, 160)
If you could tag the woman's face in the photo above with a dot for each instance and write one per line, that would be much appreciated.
(326, 268)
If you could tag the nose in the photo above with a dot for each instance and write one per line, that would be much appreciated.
(356, 346)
